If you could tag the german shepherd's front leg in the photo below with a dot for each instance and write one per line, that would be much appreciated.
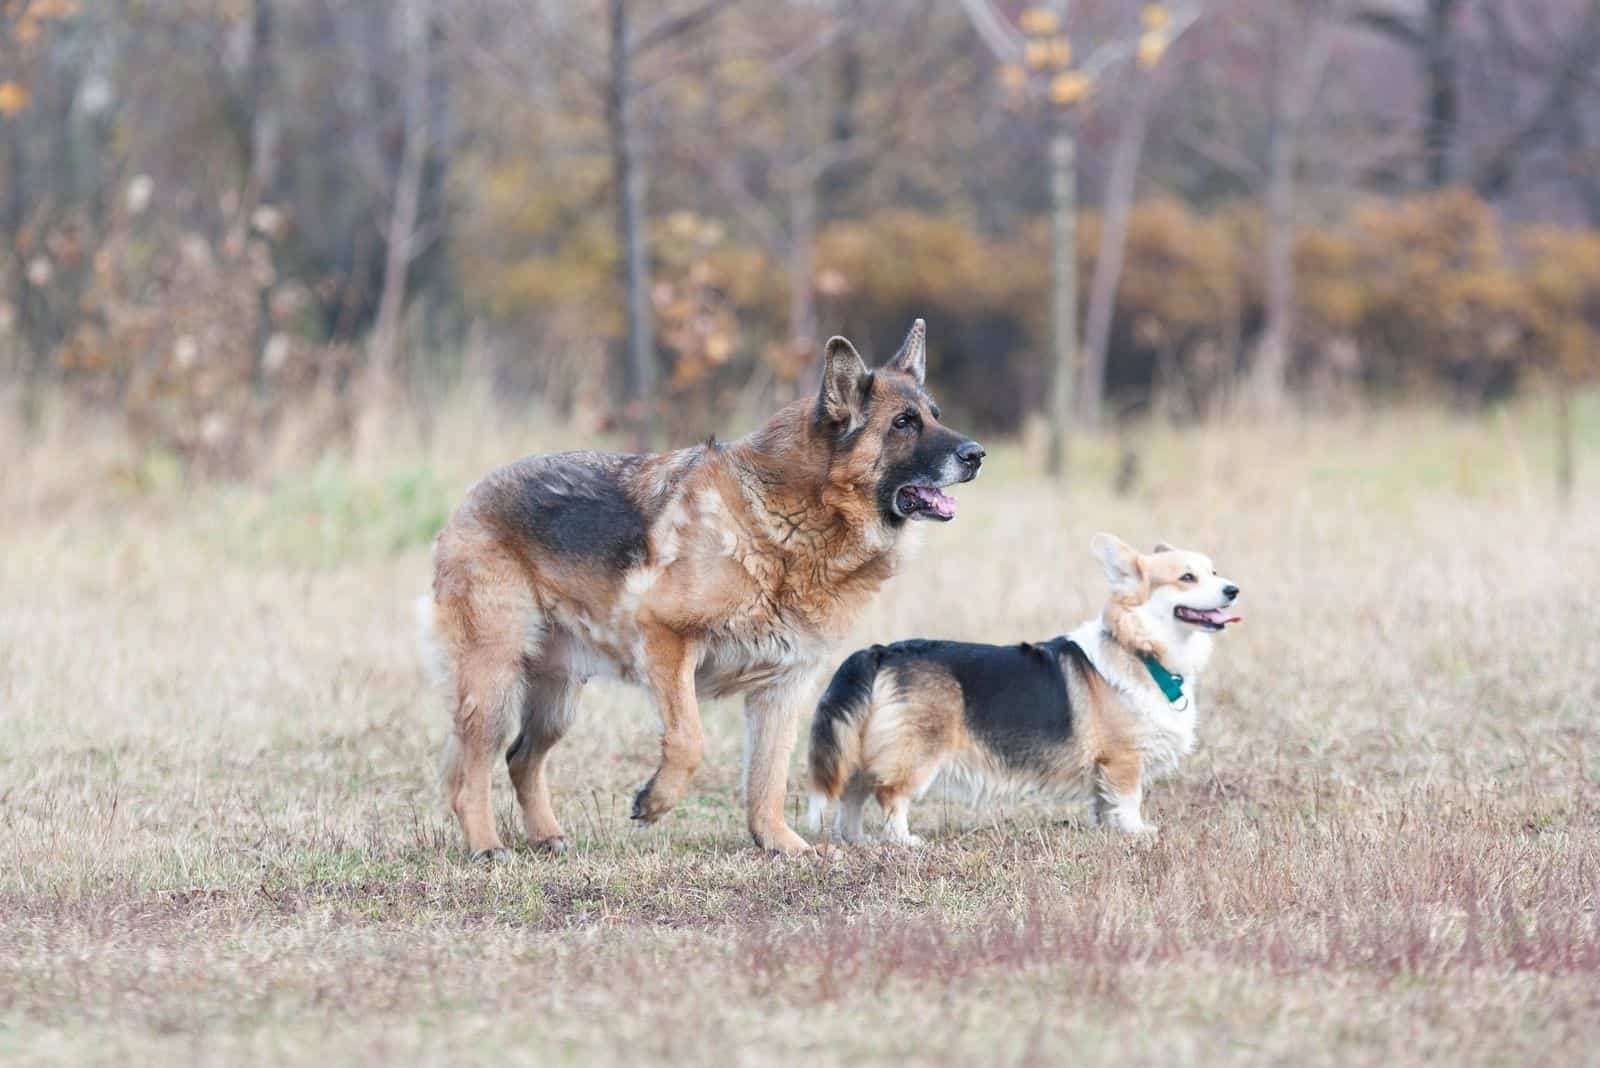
(670, 661)
(771, 714)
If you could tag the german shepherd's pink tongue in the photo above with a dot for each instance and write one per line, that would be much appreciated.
(934, 501)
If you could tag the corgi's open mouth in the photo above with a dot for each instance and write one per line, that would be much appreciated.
(920, 501)
(1209, 618)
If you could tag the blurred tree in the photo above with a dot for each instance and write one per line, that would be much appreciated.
(773, 86)
(1038, 54)
(1038, 62)
(413, 26)
(1564, 327)
(1302, 34)
(1432, 37)
(1161, 29)
(629, 183)
(1564, 67)
(208, 206)
(1440, 37)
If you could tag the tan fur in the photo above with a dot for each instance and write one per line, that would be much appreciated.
(759, 554)
(905, 743)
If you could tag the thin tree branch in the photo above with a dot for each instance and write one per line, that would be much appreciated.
(1390, 25)
(669, 27)
(1003, 39)
(1495, 174)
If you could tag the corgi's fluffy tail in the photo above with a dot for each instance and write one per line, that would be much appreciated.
(836, 731)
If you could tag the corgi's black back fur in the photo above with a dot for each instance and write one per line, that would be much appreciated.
(1014, 698)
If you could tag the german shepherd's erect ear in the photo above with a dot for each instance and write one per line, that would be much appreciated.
(845, 385)
(1120, 562)
(912, 359)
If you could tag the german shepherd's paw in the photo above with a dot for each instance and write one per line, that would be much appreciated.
(492, 858)
(783, 842)
(656, 798)
(555, 845)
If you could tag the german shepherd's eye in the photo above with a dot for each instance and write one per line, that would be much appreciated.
(1187, 576)
(907, 419)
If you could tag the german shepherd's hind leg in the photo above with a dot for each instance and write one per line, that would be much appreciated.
(488, 691)
(671, 660)
(549, 704)
(771, 715)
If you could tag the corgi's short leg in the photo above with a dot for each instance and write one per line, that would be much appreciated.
(1119, 795)
(896, 808)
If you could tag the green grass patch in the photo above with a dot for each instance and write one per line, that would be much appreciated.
(333, 514)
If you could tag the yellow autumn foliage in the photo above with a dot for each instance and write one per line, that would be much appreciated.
(1070, 88)
(1423, 292)
(1039, 21)
(13, 98)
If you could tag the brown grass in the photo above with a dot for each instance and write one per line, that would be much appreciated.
(219, 838)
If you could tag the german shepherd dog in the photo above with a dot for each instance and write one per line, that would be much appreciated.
(1092, 715)
(717, 569)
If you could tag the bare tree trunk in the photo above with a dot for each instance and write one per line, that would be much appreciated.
(385, 356)
(1120, 187)
(261, 82)
(265, 131)
(1560, 101)
(639, 365)
(1064, 290)
(1298, 82)
(802, 266)
(1269, 368)
(1443, 104)
(1566, 462)
(1433, 44)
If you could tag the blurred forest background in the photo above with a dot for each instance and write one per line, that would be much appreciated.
(223, 216)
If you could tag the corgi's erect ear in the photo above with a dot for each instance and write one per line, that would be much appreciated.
(1120, 562)
(1162, 547)
(912, 359)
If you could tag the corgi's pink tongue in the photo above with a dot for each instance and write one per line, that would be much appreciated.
(1218, 616)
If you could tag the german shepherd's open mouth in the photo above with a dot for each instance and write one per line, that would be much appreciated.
(919, 500)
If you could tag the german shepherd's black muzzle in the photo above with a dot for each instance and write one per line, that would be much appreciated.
(942, 458)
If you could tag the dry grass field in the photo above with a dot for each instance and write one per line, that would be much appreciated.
(220, 840)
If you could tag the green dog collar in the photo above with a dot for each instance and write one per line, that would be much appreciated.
(1171, 685)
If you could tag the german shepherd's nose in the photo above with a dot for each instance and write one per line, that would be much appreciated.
(971, 455)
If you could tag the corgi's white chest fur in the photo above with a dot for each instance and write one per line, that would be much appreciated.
(1165, 729)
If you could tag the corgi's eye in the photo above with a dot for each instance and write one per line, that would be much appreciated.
(1188, 576)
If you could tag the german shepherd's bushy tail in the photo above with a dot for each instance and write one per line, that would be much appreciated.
(836, 732)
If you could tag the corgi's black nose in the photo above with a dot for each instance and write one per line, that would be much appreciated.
(1230, 592)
